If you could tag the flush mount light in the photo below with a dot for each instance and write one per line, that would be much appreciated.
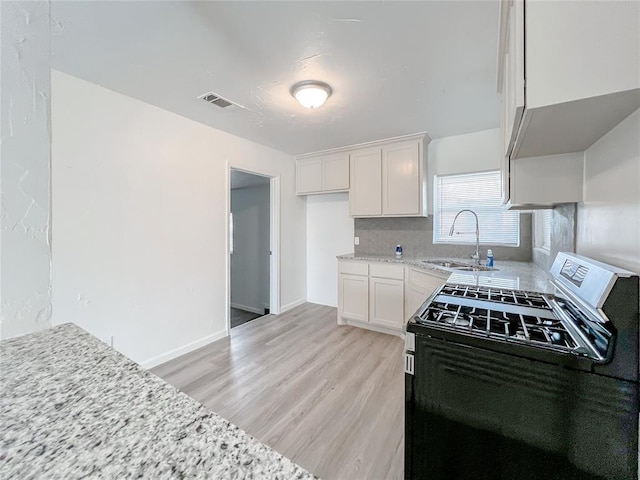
(310, 93)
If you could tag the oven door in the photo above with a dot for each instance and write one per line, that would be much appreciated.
(477, 414)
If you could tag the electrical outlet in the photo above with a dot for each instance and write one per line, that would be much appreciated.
(356, 240)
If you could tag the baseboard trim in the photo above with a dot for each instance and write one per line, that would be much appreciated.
(247, 308)
(176, 352)
(291, 305)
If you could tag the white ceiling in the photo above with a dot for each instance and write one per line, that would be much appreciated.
(395, 67)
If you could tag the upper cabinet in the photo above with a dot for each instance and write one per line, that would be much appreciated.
(384, 179)
(322, 173)
(389, 180)
(365, 196)
(581, 61)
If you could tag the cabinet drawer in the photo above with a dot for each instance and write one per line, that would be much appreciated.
(385, 270)
(424, 279)
(354, 268)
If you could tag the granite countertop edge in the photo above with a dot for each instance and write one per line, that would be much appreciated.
(508, 274)
(72, 407)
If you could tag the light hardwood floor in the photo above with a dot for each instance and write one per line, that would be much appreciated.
(329, 397)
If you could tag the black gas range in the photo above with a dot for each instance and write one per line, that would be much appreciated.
(509, 384)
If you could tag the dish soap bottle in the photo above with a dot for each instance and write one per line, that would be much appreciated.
(489, 258)
(398, 251)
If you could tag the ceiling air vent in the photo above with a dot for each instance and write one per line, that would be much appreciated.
(217, 100)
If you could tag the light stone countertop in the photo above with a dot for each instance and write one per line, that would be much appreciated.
(72, 407)
(508, 274)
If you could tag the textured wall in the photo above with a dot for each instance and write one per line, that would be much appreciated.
(380, 236)
(25, 150)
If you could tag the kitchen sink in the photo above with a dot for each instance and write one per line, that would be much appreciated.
(453, 265)
(445, 263)
(475, 268)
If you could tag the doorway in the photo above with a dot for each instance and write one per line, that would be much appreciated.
(250, 233)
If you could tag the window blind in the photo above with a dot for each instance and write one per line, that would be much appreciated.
(480, 192)
(546, 229)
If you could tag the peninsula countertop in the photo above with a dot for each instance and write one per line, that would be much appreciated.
(505, 274)
(72, 407)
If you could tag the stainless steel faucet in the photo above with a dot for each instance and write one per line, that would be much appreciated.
(475, 256)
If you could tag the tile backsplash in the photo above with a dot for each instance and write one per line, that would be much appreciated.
(381, 235)
(563, 235)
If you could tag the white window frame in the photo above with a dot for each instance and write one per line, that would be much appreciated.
(542, 230)
(440, 238)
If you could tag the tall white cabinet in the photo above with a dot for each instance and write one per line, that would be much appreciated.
(389, 179)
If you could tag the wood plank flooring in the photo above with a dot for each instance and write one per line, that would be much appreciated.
(329, 397)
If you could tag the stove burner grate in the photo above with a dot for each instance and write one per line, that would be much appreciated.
(498, 324)
(514, 297)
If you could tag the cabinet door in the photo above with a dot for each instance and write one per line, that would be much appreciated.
(308, 176)
(353, 297)
(401, 179)
(414, 298)
(335, 172)
(420, 285)
(365, 194)
(513, 99)
(386, 302)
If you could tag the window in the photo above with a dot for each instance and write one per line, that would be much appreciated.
(480, 192)
(542, 229)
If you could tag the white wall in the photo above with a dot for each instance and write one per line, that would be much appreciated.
(25, 150)
(251, 244)
(329, 233)
(608, 225)
(471, 152)
(140, 224)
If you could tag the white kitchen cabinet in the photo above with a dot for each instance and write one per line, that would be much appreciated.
(365, 195)
(386, 302)
(419, 284)
(353, 291)
(401, 179)
(322, 173)
(389, 180)
(386, 295)
(382, 296)
(541, 182)
(581, 61)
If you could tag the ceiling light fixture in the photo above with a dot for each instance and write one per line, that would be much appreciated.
(310, 93)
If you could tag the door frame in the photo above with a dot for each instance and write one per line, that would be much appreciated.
(274, 239)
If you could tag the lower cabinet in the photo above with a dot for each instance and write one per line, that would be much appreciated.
(353, 297)
(419, 285)
(386, 302)
(382, 296)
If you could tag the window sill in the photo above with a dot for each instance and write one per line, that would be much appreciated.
(543, 251)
